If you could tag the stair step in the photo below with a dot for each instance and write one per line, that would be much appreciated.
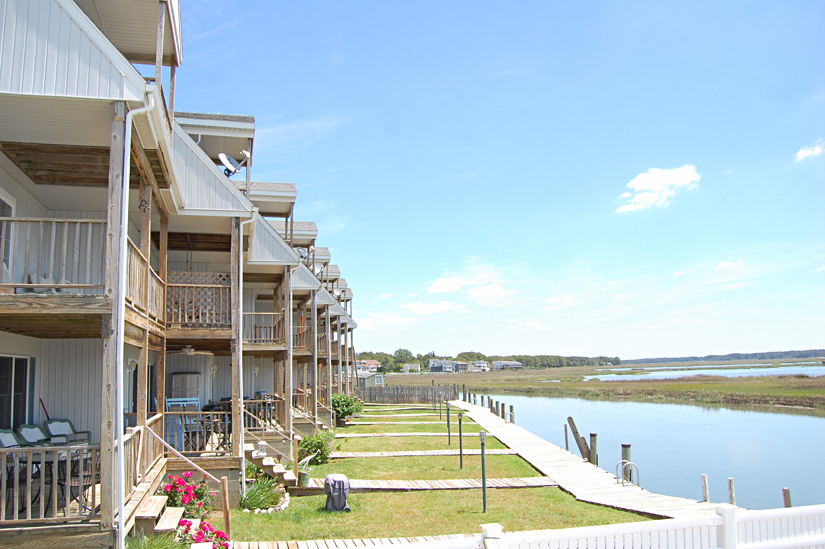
(278, 468)
(151, 508)
(269, 461)
(169, 520)
(290, 479)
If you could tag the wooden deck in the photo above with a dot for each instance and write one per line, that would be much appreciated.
(584, 480)
(395, 415)
(316, 485)
(395, 423)
(421, 453)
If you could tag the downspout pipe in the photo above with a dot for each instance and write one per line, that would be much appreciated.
(239, 347)
(120, 340)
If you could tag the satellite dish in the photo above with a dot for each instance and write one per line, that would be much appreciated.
(302, 252)
(232, 166)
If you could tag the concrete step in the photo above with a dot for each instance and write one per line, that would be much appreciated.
(147, 514)
(169, 519)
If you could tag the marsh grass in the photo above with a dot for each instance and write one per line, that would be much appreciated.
(430, 513)
(427, 468)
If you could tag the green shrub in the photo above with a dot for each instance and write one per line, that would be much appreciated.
(262, 494)
(321, 443)
(344, 406)
(158, 541)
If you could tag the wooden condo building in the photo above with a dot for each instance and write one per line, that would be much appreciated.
(173, 311)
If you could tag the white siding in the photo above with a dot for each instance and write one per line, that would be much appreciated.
(304, 279)
(202, 185)
(220, 386)
(49, 47)
(268, 247)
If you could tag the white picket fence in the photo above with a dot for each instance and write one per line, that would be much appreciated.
(731, 528)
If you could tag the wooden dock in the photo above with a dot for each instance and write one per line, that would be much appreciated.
(316, 485)
(584, 480)
(365, 435)
(345, 543)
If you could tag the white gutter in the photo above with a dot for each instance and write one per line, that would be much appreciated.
(289, 354)
(239, 346)
(120, 340)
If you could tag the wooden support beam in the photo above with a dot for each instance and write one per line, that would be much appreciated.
(314, 364)
(159, 46)
(287, 293)
(144, 166)
(111, 323)
(235, 345)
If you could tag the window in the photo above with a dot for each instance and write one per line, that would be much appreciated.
(16, 390)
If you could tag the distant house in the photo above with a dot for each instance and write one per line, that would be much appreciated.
(440, 366)
(368, 366)
(506, 364)
(479, 366)
(370, 380)
(461, 367)
(414, 367)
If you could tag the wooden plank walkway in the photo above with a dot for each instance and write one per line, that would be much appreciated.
(582, 479)
(344, 543)
(365, 435)
(417, 453)
(396, 423)
(316, 485)
(394, 415)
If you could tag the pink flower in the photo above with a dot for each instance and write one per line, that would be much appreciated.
(200, 537)
(185, 500)
(187, 474)
(200, 504)
(220, 534)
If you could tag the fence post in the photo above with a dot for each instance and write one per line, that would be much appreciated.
(727, 538)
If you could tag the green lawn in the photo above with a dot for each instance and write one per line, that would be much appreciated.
(412, 428)
(431, 513)
(426, 468)
(397, 444)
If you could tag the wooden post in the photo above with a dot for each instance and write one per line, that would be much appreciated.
(566, 443)
(143, 359)
(225, 501)
(786, 496)
(163, 260)
(512, 415)
(594, 455)
(627, 473)
(705, 488)
(235, 348)
(314, 336)
(287, 284)
(731, 491)
(111, 323)
(329, 356)
(585, 451)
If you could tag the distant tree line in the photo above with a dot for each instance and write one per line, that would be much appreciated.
(394, 362)
(776, 355)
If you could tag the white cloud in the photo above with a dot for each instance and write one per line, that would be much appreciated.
(384, 296)
(819, 269)
(729, 265)
(447, 284)
(491, 294)
(559, 301)
(810, 150)
(678, 274)
(737, 285)
(412, 294)
(421, 308)
(384, 322)
(657, 186)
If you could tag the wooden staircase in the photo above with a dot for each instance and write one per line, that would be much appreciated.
(270, 465)
(154, 516)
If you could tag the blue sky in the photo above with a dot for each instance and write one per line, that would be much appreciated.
(622, 178)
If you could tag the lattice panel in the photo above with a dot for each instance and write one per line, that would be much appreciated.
(212, 279)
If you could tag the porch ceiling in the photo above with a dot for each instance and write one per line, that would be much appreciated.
(198, 242)
(53, 326)
(219, 347)
(73, 165)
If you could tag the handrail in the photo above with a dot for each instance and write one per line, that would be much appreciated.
(626, 464)
(224, 484)
(259, 439)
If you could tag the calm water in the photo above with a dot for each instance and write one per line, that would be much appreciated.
(813, 371)
(674, 444)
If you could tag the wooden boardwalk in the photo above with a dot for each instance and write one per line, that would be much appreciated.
(365, 435)
(584, 480)
(394, 415)
(396, 423)
(417, 453)
(316, 485)
(345, 543)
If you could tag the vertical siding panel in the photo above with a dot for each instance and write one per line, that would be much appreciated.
(52, 52)
(41, 49)
(73, 60)
(10, 25)
(62, 48)
(84, 53)
(93, 78)
(30, 62)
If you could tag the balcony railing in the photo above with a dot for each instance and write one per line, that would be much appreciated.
(198, 300)
(300, 337)
(49, 483)
(263, 328)
(44, 255)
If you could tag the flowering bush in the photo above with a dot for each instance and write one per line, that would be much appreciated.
(203, 533)
(195, 498)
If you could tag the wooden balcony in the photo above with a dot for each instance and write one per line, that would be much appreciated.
(52, 281)
(198, 305)
(263, 331)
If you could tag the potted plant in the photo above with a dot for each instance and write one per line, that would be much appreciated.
(344, 406)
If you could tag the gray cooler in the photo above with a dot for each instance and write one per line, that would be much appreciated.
(336, 487)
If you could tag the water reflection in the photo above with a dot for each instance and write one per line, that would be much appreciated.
(813, 371)
(674, 444)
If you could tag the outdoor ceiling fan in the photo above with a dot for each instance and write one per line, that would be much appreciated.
(188, 350)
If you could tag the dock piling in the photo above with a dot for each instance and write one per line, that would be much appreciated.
(566, 443)
(580, 442)
(594, 455)
(705, 489)
(731, 491)
(628, 473)
(503, 412)
(483, 436)
(786, 496)
(512, 415)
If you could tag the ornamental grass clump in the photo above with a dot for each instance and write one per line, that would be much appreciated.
(204, 533)
(195, 498)
(265, 493)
